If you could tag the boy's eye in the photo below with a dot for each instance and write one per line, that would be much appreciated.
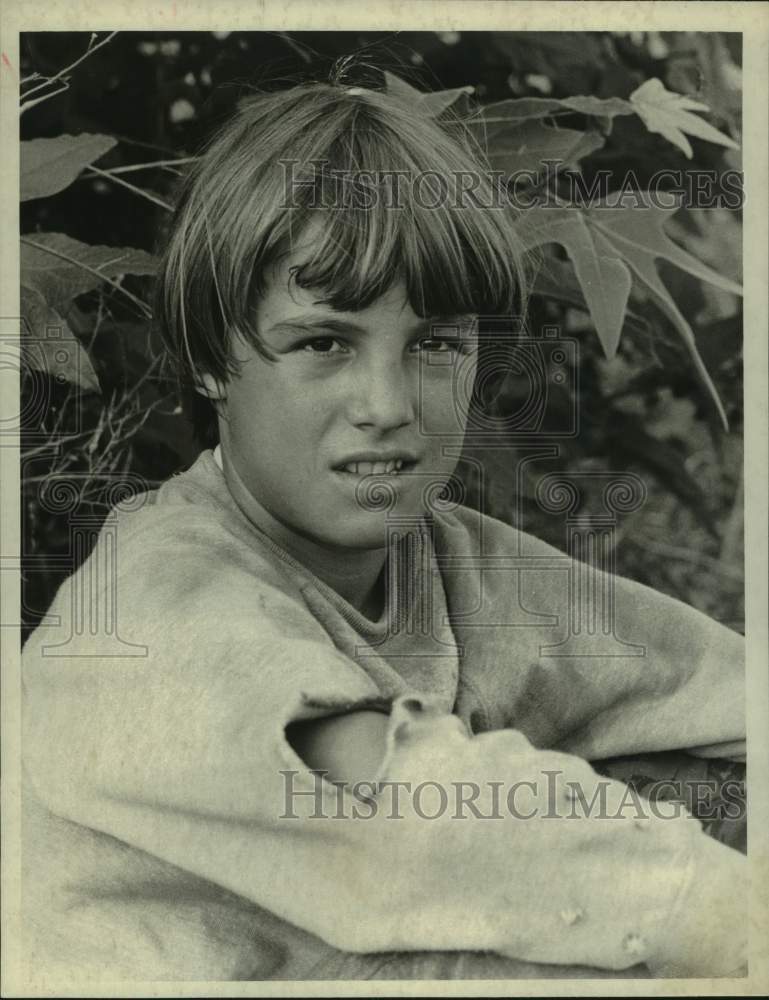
(445, 345)
(322, 345)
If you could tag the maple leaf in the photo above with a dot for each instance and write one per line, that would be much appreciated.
(612, 247)
(670, 115)
(604, 278)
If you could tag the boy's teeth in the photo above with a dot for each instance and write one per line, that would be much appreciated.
(392, 467)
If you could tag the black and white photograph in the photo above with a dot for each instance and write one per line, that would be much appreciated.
(384, 446)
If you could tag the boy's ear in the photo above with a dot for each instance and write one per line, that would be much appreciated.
(208, 386)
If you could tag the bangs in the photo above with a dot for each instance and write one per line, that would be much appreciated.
(398, 200)
(399, 218)
(362, 191)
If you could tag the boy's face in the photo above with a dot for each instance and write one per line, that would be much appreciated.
(348, 389)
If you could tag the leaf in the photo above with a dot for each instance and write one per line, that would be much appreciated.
(542, 107)
(48, 344)
(47, 166)
(637, 235)
(525, 146)
(433, 103)
(436, 102)
(603, 277)
(643, 227)
(395, 85)
(669, 115)
(555, 279)
(60, 268)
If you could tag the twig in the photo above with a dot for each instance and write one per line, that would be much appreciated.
(89, 51)
(294, 46)
(38, 100)
(147, 166)
(130, 141)
(131, 187)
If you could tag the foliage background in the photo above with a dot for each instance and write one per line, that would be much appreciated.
(643, 410)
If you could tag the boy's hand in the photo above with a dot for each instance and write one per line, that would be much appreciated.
(347, 748)
(557, 865)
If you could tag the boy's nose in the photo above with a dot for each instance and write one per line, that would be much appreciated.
(384, 398)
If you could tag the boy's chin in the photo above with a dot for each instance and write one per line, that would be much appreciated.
(367, 530)
(357, 538)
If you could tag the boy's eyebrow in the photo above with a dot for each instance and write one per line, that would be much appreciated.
(338, 325)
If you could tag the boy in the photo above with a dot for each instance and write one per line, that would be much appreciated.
(321, 636)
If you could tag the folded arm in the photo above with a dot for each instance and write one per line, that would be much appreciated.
(183, 754)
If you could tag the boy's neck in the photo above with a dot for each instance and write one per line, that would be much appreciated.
(357, 575)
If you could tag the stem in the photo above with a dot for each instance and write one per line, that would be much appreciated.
(39, 100)
(89, 51)
(131, 187)
(146, 166)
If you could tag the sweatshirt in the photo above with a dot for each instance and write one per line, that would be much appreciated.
(171, 832)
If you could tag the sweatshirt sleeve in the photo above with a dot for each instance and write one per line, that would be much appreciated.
(685, 688)
(181, 752)
(587, 661)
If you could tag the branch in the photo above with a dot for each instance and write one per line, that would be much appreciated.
(131, 187)
(52, 79)
(38, 100)
(146, 166)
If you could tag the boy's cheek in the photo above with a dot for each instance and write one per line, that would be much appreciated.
(445, 404)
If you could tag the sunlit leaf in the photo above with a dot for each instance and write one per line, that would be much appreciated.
(603, 277)
(639, 238)
(634, 238)
(516, 109)
(47, 166)
(669, 114)
(642, 229)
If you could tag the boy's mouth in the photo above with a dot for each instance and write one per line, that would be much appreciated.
(381, 467)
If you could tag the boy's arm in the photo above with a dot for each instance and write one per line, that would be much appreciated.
(705, 932)
(182, 753)
(620, 669)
